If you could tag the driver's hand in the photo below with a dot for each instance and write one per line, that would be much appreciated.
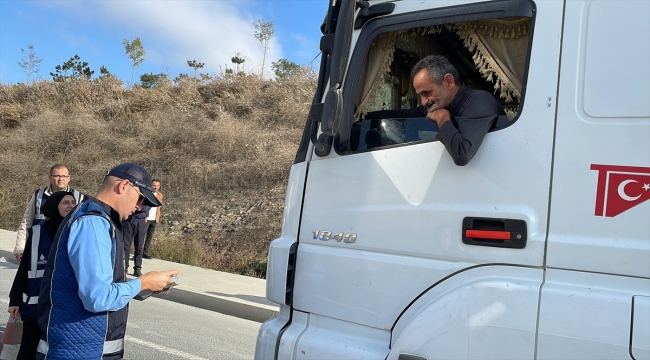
(440, 116)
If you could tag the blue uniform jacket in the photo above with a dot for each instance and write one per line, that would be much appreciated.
(83, 303)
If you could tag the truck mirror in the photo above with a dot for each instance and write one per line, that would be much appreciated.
(332, 111)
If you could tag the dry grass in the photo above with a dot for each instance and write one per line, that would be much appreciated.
(235, 135)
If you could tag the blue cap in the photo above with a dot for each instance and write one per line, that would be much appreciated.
(138, 176)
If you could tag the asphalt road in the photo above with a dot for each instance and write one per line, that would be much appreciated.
(161, 329)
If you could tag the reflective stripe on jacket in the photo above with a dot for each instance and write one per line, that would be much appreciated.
(36, 262)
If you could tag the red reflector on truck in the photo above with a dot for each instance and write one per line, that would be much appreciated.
(488, 234)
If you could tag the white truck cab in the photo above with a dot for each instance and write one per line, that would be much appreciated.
(538, 248)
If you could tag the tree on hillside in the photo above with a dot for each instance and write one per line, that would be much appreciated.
(180, 78)
(72, 69)
(195, 65)
(151, 80)
(103, 72)
(284, 69)
(238, 60)
(135, 52)
(30, 63)
(263, 33)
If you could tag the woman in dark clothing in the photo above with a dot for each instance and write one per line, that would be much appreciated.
(23, 297)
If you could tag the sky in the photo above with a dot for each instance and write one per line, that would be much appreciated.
(172, 32)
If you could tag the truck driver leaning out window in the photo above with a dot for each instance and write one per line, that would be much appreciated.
(463, 115)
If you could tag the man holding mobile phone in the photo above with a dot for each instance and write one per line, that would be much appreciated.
(83, 303)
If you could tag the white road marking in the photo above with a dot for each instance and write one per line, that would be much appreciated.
(164, 349)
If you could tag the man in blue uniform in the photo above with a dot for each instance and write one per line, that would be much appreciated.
(83, 303)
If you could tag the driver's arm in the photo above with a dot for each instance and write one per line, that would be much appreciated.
(419, 111)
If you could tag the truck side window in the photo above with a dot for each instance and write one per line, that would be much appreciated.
(489, 55)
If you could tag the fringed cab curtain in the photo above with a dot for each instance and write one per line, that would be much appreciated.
(499, 47)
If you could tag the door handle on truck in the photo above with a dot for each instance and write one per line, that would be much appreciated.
(507, 233)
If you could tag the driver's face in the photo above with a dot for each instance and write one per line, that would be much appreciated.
(432, 95)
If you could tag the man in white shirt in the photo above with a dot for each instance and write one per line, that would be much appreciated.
(152, 219)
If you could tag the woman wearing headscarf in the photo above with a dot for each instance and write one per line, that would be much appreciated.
(23, 297)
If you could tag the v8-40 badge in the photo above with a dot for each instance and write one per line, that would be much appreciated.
(327, 235)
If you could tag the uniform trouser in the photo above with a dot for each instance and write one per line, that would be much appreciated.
(29, 342)
(151, 227)
(133, 232)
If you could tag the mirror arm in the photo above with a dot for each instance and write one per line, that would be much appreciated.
(322, 143)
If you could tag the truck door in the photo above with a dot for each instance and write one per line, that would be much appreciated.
(594, 300)
(385, 221)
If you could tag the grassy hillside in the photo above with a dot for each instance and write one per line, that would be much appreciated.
(222, 150)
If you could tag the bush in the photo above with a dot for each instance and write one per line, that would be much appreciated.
(253, 267)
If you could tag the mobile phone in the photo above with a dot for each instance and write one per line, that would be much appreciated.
(144, 294)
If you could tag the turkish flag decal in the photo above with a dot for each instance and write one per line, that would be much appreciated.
(620, 188)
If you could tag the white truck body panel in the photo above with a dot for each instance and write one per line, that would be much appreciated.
(574, 166)
(587, 316)
(345, 340)
(600, 125)
(278, 253)
(640, 344)
(464, 318)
